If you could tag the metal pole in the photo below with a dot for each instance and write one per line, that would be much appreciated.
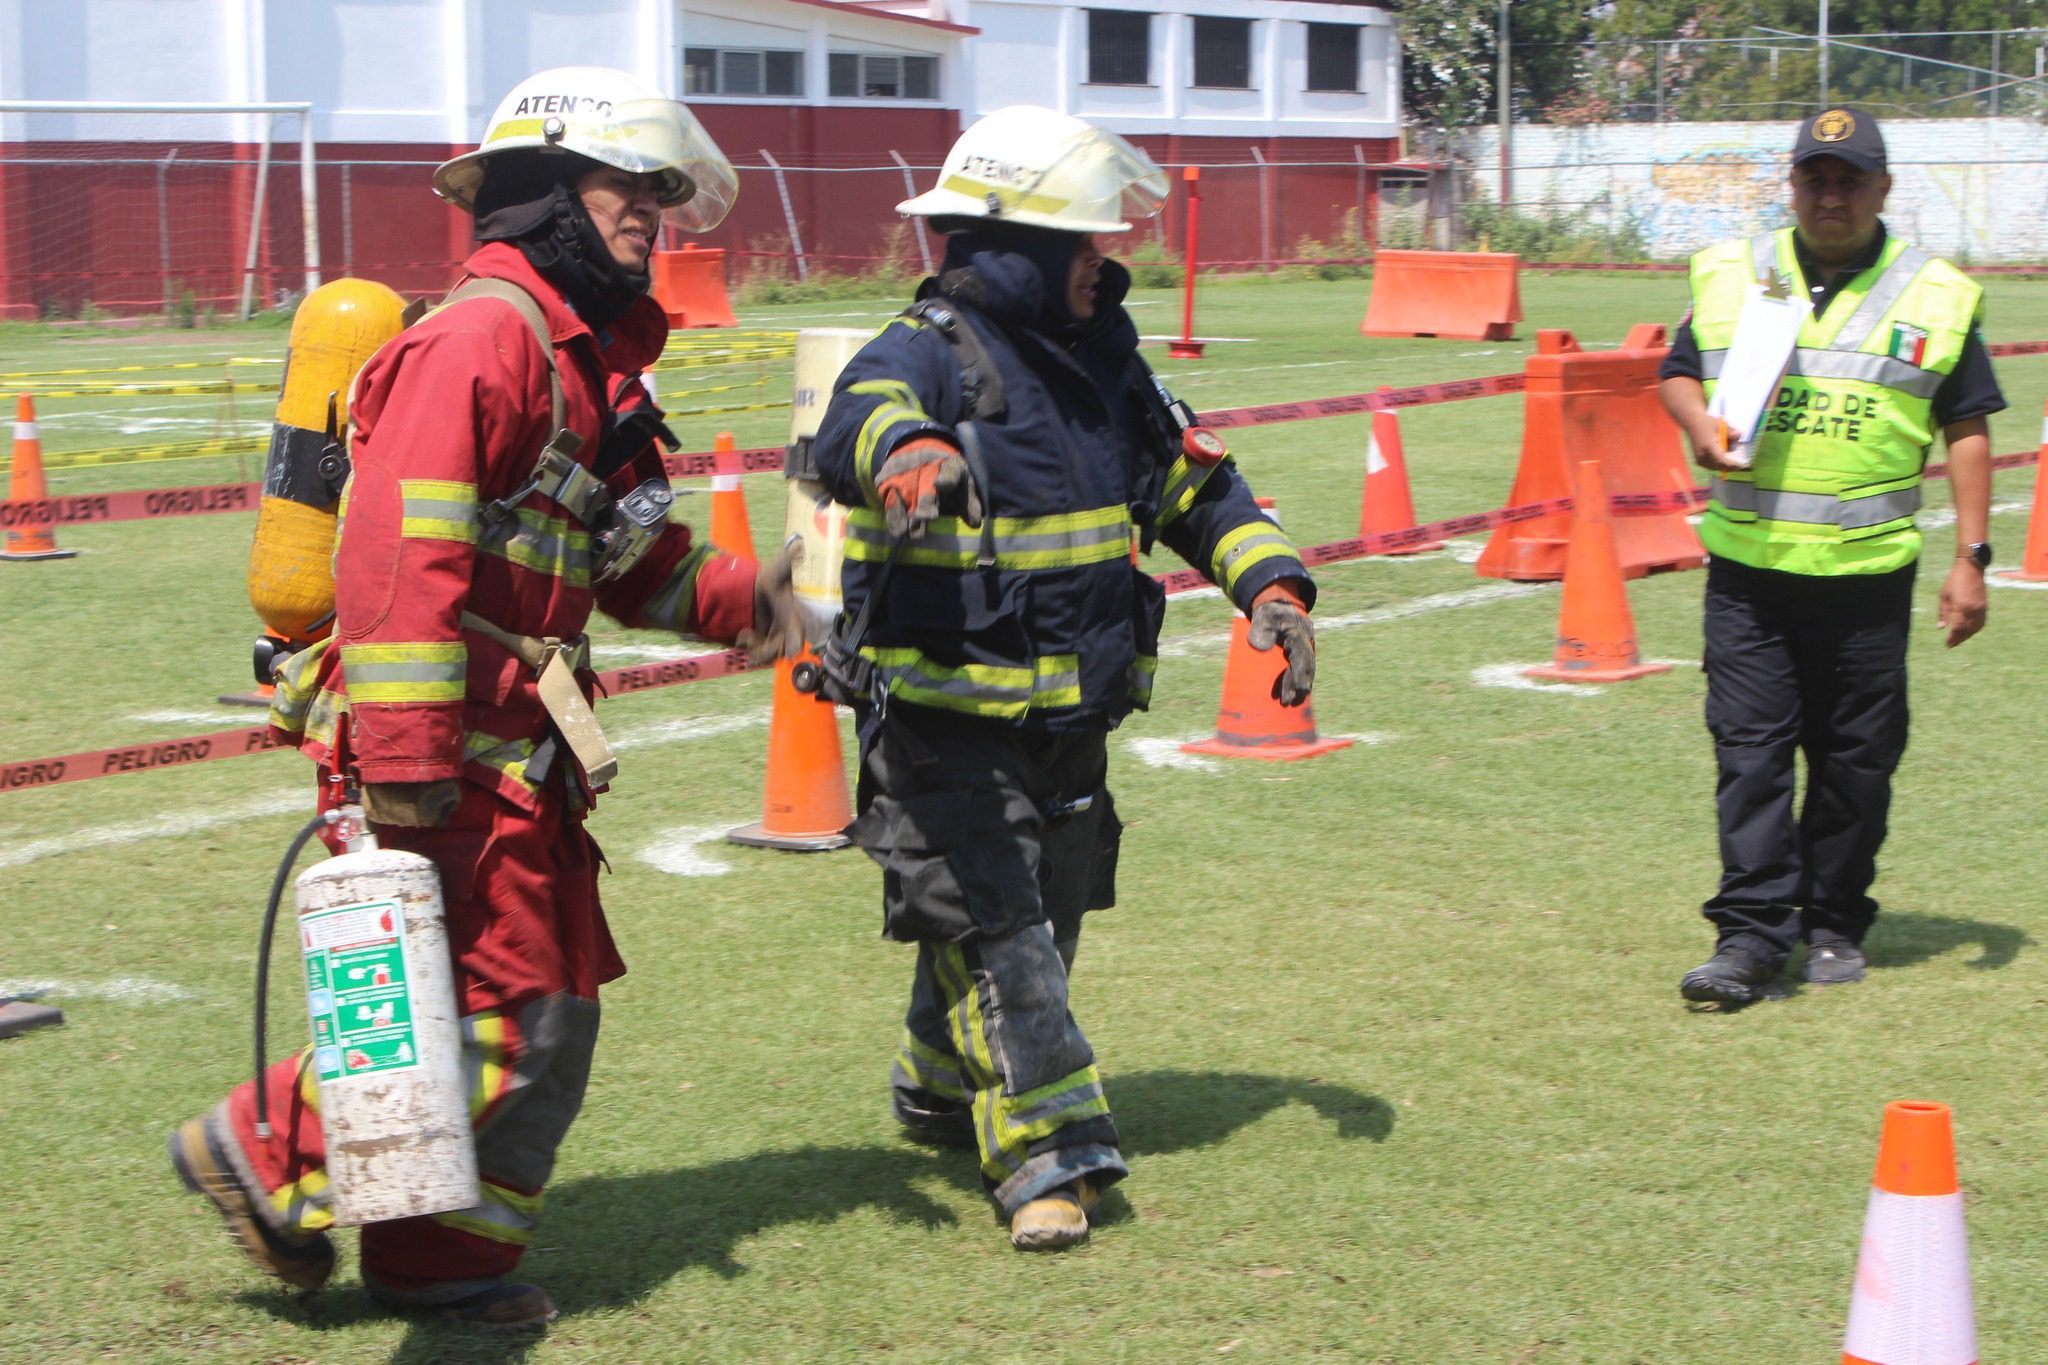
(245, 312)
(1823, 37)
(163, 224)
(796, 240)
(1662, 48)
(309, 199)
(1505, 91)
(1997, 60)
(1265, 211)
(924, 247)
(1187, 348)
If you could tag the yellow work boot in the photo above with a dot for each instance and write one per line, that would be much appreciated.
(1057, 1218)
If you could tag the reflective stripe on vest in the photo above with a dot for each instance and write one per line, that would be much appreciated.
(1835, 364)
(1063, 541)
(994, 690)
(1819, 509)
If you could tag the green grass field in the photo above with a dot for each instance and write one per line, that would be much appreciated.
(1393, 1035)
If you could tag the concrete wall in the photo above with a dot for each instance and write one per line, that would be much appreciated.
(1974, 190)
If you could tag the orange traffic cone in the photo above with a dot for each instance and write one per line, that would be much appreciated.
(1596, 633)
(729, 530)
(1251, 723)
(805, 808)
(25, 484)
(1911, 1301)
(1387, 505)
(2034, 568)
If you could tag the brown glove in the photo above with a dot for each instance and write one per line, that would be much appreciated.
(417, 805)
(922, 479)
(778, 629)
(1279, 617)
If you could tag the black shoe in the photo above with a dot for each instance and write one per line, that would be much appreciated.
(1832, 960)
(1732, 976)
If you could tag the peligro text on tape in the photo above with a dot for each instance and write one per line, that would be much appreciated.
(135, 505)
(136, 758)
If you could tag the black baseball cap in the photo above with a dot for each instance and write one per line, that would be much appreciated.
(1846, 133)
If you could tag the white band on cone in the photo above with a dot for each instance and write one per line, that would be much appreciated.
(1911, 1304)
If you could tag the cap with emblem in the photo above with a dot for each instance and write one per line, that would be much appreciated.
(1845, 133)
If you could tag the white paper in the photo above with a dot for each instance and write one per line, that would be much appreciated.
(1766, 333)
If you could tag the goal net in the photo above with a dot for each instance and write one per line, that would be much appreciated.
(170, 208)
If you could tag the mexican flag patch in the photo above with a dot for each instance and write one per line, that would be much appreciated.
(1908, 343)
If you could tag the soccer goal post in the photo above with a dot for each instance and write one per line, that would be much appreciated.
(133, 208)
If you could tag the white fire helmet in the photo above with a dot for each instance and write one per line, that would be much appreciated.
(614, 119)
(1035, 166)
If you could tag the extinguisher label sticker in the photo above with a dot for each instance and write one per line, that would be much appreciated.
(356, 990)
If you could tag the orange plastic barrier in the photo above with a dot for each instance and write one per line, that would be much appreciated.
(1596, 631)
(25, 483)
(690, 287)
(805, 807)
(1465, 295)
(1596, 405)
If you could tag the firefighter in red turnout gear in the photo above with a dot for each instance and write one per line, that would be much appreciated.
(473, 543)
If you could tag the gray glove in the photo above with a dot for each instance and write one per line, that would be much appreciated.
(417, 805)
(778, 630)
(1287, 625)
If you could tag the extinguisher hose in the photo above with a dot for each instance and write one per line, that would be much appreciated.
(284, 872)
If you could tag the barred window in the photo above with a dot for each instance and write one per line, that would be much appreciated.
(1223, 53)
(882, 75)
(775, 72)
(1119, 47)
(1333, 57)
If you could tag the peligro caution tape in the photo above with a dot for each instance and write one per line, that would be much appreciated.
(617, 682)
(148, 504)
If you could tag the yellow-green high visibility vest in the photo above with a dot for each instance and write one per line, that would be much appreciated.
(1836, 480)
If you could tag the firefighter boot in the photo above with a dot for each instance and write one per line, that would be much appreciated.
(1058, 1218)
(1732, 976)
(504, 1308)
(301, 1262)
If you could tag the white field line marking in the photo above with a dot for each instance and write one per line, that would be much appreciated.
(675, 851)
(252, 715)
(1185, 645)
(1946, 516)
(684, 728)
(128, 990)
(113, 836)
(1165, 753)
(2022, 584)
(1510, 677)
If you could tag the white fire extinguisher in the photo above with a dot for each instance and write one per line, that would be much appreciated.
(387, 1034)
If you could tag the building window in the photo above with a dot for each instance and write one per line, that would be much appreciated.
(774, 72)
(882, 75)
(1223, 53)
(1333, 57)
(1119, 47)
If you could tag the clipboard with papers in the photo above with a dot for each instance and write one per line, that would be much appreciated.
(1766, 334)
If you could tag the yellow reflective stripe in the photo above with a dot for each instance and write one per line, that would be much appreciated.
(438, 509)
(670, 605)
(533, 540)
(970, 1037)
(309, 1082)
(485, 1056)
(1019, 1120)
(1143, 670)
(410, 671)
(899, 406)
(1184, 480)
(1011, 200)
(297, 1203)
(292, 700)
(508, 756)
(1062, 540)
(1245, 546)
(979, 689)
(1056, 680)
(930, 1068)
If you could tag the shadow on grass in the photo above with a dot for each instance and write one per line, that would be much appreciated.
(1903, 938)
(633, 1233)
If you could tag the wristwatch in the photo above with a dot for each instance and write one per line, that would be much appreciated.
(1978, 552)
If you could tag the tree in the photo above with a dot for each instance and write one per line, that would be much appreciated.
(1451, 54)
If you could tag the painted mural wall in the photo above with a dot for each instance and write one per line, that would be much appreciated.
(1974, 190)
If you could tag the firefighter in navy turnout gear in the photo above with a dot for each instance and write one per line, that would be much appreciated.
(1000, 444)
(1814, 547)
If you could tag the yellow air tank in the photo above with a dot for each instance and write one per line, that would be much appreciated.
(291, 567)
(810, 516)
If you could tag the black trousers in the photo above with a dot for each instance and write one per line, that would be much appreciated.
(1801, 664)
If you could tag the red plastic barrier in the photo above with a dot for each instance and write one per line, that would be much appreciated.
(690, 287)
(1599, 405)
(1468, 295)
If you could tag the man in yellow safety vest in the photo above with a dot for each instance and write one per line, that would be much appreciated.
(1815, 546)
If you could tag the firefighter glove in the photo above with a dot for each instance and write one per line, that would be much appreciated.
(922, 479)
(418, 805)
(778, 629)
(1279, 618)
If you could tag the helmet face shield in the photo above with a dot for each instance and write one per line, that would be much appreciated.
(1039, 168)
